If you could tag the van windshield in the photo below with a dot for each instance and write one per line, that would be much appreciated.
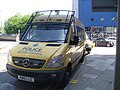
(46, 33)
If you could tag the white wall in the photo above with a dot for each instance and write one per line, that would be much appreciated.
(75, 7)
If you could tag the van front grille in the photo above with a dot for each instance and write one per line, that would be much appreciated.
(28, 62)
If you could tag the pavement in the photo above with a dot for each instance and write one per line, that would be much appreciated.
(96, 73)
(4, 49)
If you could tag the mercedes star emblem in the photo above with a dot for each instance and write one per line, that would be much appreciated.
(26, 62)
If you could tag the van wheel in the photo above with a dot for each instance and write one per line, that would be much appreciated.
(67, 76)
(88, 52)
(82, 59)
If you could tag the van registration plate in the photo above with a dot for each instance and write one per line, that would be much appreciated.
(24, 78)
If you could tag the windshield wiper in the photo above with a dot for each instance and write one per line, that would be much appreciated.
(53, 41)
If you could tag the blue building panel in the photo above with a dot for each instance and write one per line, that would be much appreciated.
(90, 18)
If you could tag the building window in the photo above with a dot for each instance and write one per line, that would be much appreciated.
(104, 5)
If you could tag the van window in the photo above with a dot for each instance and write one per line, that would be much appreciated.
(51, 33)
(80, 32)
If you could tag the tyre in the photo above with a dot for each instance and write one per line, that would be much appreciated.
(111, 44)
(88, 52)
(67, 76)
(108, 45)
(82, 59)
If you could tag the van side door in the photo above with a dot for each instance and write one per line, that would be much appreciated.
(77, 50)
(81, 46)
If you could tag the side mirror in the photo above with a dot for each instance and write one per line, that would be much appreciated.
(75, 41)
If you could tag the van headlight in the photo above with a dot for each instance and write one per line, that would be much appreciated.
(55, 62)
(9, 58)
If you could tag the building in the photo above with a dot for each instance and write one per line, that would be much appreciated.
(98, 16)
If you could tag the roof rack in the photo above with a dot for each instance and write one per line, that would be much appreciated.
(49, 13)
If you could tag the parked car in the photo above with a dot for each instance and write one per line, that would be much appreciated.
(103, 42)
(89, 44)
(112, 39)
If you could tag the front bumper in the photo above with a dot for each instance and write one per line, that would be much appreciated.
(38, 75)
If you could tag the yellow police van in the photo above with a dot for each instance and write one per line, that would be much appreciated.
(49, 49)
